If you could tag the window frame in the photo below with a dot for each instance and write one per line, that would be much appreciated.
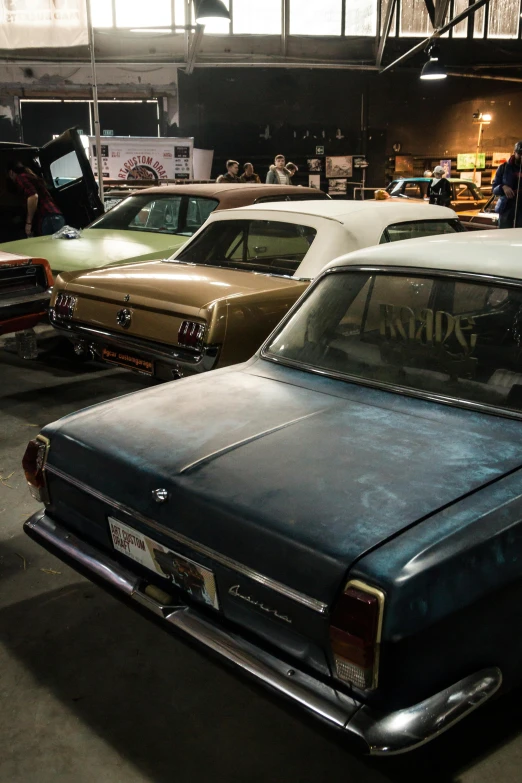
(407, 271)
(182, 214)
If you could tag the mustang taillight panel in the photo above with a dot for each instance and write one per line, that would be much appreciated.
(191, 334)
(355, 634)
(33, 463)
(64, 305)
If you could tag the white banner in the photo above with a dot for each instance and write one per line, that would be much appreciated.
(28, 24)
(128, 158)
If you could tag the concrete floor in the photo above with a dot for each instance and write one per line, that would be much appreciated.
(92, 692)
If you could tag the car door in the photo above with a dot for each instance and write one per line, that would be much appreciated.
(70, 179)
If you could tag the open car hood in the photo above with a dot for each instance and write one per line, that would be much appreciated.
(296, 479)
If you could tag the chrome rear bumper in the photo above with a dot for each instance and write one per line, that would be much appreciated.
(382, 733)
(184, 362)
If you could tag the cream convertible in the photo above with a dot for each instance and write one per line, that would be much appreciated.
(216, 299)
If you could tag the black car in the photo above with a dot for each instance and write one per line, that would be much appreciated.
(68, 175)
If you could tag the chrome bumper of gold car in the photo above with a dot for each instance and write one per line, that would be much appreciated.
(181, 361)
(382, 733)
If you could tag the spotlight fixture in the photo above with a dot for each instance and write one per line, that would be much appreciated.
(208, 10)
(433, 69)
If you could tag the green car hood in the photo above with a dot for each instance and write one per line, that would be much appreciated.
(96, 247)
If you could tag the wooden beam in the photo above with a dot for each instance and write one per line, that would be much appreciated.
(431, 11)
(441, 9)
(386, 31)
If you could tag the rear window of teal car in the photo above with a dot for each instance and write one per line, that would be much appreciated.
(455, 338)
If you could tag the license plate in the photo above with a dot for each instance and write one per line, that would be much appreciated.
(126, 359)
(187, 575)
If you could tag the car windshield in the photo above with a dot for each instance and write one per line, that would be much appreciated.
(460, 338)
(251, 245)
(158, 214)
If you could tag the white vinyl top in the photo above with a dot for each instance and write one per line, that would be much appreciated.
(494, 252)
(351, 213)
(342, 226)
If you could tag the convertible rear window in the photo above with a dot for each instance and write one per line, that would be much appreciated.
(159, 214)
(251, 245)
(415, 229)
(459, 338)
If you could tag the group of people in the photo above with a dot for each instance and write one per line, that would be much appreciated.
(44, 217)
(279, 173)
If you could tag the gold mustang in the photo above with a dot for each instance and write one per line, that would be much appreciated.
(214, 302)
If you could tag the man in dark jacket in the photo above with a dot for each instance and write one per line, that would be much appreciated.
(232, 172)
(506, 186)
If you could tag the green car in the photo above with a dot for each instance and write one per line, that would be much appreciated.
(149, 224)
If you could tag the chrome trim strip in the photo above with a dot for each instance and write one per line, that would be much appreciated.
(272, 584)
(382, 733)
(455, 402)
(237, 444)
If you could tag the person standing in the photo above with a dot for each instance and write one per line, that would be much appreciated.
(43, 216)
(292, 171)
(232, 172)
(439, 189)
(249, 175)
(506, 186)
(278, 173)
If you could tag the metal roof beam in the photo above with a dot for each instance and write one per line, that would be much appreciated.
(437, 34)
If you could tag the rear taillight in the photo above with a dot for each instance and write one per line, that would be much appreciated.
(33, 463)
(191, 334)
(355, 634)
(64, 305)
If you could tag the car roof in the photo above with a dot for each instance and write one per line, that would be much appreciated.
(482, 252)
(428, 179)
(216, 189)
(349, 213)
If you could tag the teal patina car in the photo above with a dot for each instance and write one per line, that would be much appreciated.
(150, 224)
(340, 517)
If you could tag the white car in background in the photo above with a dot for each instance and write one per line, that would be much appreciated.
(218, 297)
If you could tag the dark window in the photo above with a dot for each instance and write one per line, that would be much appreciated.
(424, 333)
(415, 229)
(158, 213)
(407, 188)
(251, 245)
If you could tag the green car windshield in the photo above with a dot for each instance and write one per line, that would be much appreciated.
(158, 214)
(422, 333)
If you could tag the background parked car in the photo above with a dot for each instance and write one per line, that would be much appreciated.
(76, 195)
(340, 517)
(480, 219)
(215, 301)
(25, 291)
(151, 223)
(464, 193)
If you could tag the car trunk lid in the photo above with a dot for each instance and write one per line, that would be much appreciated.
(289, 481)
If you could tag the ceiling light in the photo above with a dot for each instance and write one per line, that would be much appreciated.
(433, 69)
(210, 10)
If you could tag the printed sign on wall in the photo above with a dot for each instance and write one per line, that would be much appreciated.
(471, 160)
(144, 158)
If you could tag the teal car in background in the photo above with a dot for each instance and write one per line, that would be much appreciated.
(150, 224)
